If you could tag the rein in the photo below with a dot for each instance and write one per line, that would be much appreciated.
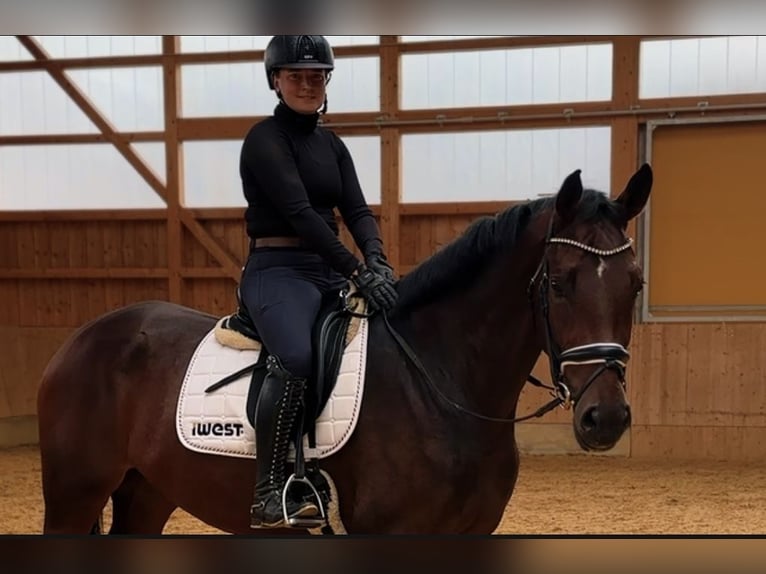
(610, 356)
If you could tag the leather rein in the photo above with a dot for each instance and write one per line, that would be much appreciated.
(608, 356)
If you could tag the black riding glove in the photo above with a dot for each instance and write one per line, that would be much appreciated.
(378, 263)
(378, 290)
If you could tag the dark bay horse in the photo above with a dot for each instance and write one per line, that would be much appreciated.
(557, 275)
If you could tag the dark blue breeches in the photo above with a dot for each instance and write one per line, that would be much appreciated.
(282, 289)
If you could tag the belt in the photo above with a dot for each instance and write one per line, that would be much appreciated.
(275, 242)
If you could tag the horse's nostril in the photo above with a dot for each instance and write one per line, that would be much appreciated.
(590, 418)
(627, 418)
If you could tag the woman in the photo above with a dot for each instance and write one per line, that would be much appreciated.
(294, 173)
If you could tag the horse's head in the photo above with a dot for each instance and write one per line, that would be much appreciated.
(584, 295)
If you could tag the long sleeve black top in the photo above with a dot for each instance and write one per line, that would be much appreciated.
(294, 174)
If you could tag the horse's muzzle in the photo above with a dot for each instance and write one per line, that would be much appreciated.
(599, 426)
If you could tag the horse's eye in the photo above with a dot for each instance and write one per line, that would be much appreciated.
(557, 287)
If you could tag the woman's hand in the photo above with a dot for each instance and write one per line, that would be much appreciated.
(377, 289)
(378, 263)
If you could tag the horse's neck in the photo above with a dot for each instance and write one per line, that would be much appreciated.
(482, 339)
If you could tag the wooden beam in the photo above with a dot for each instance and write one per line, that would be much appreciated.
(340, 52)
(203, 273)
(173, 165)
(478, 114)
(132, 61)
(414, 121)
(85, 215)
(236, 127)
(84, 273)
(87, 62)
(232, 268)
(48, 139)
(499, 42)
(455, 208)
(229, 213)
(391, 143)
(702, 102)
(217, 213)
(84, 103)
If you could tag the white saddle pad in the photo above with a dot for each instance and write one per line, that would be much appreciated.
(216, 423)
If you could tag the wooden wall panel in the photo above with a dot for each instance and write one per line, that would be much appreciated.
(700, 386)
(26, 351)
(9, 302)
(214, 296)
(70, 302)
(699, 442)
(423, 235)
(228, 233)
(81, 245)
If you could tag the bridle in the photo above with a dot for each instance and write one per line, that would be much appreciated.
(609, 356)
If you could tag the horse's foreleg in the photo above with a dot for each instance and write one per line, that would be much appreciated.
(139, 508)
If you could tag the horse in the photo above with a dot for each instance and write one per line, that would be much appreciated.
(434, 450)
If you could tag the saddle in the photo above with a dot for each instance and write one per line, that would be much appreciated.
(336, 325)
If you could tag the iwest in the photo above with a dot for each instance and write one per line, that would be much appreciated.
(217, 429)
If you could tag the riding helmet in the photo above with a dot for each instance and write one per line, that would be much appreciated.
(297, 52)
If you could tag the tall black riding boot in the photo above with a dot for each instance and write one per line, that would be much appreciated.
(275, 416)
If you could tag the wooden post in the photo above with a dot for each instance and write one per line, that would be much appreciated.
(390, 150)
(625, 70)
(174, 164)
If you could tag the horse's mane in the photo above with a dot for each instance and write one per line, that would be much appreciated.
(457, 264)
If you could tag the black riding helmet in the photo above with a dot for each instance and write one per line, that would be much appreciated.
(312, 52)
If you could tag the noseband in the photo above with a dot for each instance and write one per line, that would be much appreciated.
(610, 356)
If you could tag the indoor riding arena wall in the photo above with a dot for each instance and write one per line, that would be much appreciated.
(696, 381)
(696, 389)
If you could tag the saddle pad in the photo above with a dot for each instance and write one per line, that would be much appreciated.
(216, 423)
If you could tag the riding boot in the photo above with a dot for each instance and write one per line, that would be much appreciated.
(275, 416)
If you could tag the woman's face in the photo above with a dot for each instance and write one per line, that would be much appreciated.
(303, 90)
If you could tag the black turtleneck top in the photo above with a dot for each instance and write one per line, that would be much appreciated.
(294, 173)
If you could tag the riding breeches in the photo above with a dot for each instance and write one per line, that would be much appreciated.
(282, 290)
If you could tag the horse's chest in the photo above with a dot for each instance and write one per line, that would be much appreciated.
(470, 494)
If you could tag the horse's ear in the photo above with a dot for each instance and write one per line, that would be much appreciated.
(569, 196)
(633, 199)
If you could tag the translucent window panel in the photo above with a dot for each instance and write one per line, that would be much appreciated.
(355, 85)
(212, 171)
(352, 40)
(225, 90)
(130, 98)
(507, 77)
(211, 174)
(33, 103)
(153, 154)
(365, 151)
(241, 89)
(12, 50)
(234, 43)
(702, 66)
(98, 46)
(83, 176)
(502, 165)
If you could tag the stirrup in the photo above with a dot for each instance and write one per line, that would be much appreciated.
(303, 522)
